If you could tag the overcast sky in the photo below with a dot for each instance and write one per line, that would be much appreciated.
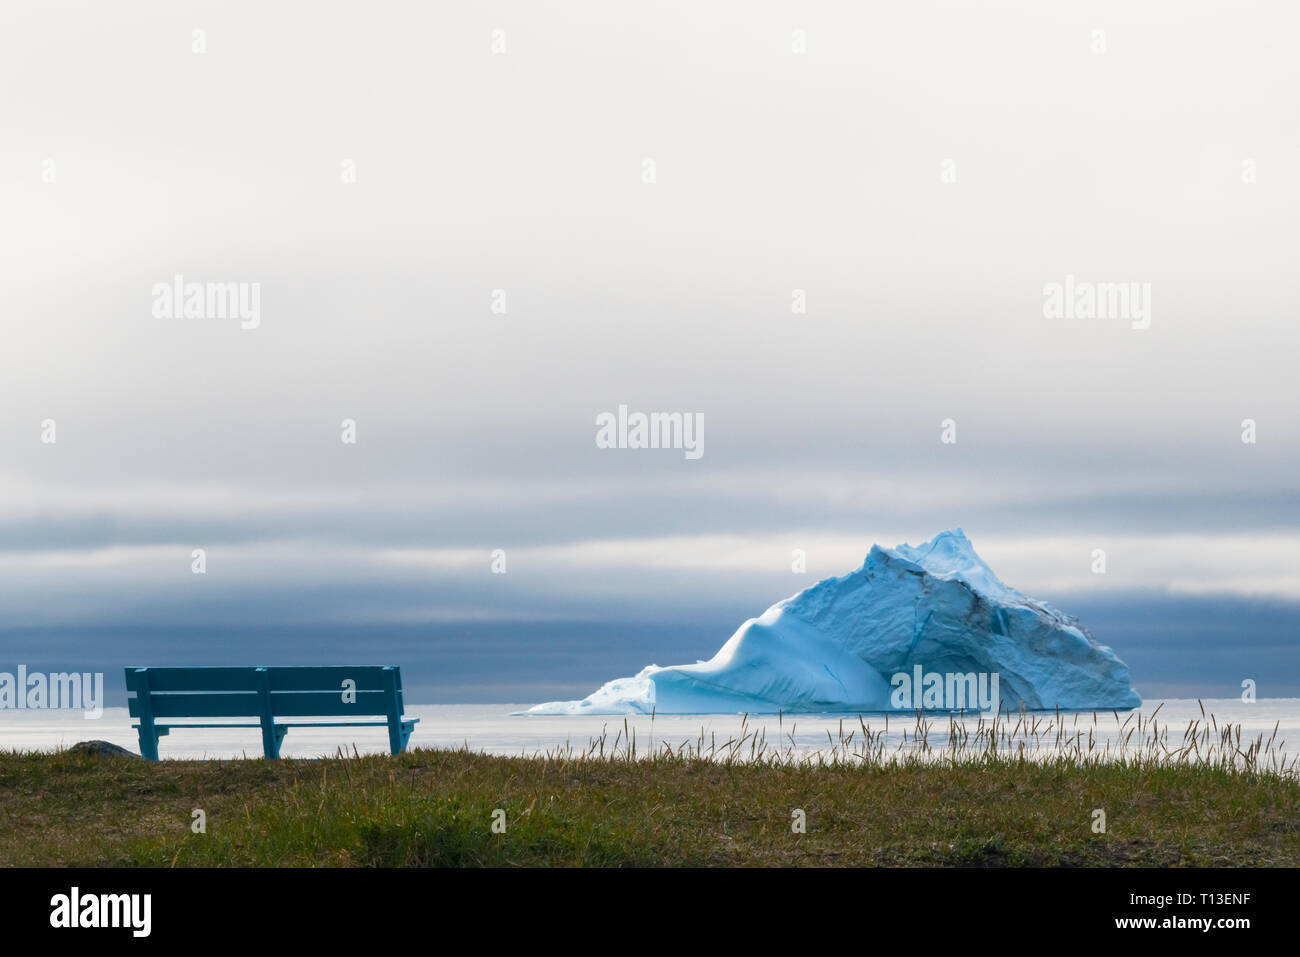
(920, 174)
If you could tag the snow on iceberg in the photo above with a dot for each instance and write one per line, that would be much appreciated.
(857, 642)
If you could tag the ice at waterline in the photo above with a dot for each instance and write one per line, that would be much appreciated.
(933, 614)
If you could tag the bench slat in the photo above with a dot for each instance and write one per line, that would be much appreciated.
(192, 679)
(223, 724)
(328, 678)
(199, 705)
(302, 704)
(289, 724)
(282, 678)
(248, 704)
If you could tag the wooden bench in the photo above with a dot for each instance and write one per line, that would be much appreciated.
(267, 694)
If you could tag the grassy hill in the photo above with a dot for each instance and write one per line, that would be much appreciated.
(429, 808)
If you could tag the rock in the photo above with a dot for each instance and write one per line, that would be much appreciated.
(101, 749)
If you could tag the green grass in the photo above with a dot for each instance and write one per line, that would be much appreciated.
(435, 808)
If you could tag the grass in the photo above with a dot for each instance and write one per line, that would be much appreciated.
(987, 796)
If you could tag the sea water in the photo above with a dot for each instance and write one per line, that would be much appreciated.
(493, 729)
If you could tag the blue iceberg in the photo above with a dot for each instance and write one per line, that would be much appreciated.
(916, 627)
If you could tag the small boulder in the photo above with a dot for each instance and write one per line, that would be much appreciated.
(101, 749)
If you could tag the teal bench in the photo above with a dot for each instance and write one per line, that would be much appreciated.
(267, 694)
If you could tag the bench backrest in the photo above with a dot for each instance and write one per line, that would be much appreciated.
(292, 692)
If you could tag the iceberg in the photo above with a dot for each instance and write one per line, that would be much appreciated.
(932, 615)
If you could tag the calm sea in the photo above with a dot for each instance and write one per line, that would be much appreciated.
(491, 728)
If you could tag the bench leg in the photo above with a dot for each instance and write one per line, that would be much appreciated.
(399, 731)
(398, 734)
(148, 740)
(272, 736)
(147, 729)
